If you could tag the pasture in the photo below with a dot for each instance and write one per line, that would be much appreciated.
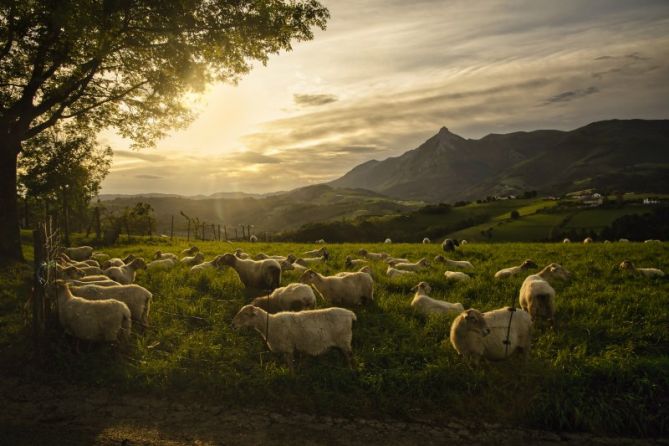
(602, 369)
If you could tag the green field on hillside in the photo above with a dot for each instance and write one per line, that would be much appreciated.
(601, 369)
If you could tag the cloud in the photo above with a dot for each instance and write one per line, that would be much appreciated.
(312, 100)
(254, 158)
(138, 155)
(149, 177)
(571, 95)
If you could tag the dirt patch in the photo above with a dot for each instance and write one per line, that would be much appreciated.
(69, 415)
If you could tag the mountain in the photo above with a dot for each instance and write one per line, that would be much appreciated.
(631, 155)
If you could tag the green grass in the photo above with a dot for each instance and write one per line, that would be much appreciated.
(600, 218)
(603, 369)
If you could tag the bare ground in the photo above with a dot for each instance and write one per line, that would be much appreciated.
(36, 414)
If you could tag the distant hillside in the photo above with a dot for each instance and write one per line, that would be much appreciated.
(625, 155)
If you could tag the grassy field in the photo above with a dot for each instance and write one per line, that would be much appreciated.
(602, 369)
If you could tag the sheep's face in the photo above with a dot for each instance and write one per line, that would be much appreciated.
(61, 289)
(626, 265)
(129, 258)
(287, 266)
(291, 258)
(439, 258)
(199, 257)
(157, 255)
(474, 321)
(422, 287)
(228, 259)
(138, 263)
(308, 276)
(558, 271)
(424, 262)
(72, 272)
(527, 264)
(362, 252)
(246, 316)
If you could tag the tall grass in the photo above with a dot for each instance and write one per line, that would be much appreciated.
(603, 368)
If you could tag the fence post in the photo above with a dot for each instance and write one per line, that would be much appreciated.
(236, 234)
(225, 231)
(38, 289)
(172, 229)
(203, 225)
(188, 235)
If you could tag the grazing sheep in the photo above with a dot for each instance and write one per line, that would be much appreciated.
(566, 241)
(417, 266)
(392, 261)
(424, 304)
(137, 298)
(68, 272)
(101, 320)
(294, 297)
(373, 255)
(262, 275)
(449, 245)
(91, 270)
(462, 264)
(475, 334)
(351, 263)
(94, 278)
(241, 254)
(253, 238)
(107, 282)
(463, 242)
(287, 266)
(537, 296)
(626, 265)
(125, 275)
(79, 253)
(215, 263)
(512, 271)
(190, 251)
(320, 241)
(310, 260)
(316, 252)
(623, 240)
(343, 289)
(607, 241)
(161, 264)
(159, 255)
(392, 272)
(83, 264)
(587, 240)
(117, 262)
(193, 260)
(387, 241)
(456, 275)
(426, 241)
(652, 241)
(312, 332)
(262, 256)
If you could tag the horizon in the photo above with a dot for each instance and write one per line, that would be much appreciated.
(304, 120)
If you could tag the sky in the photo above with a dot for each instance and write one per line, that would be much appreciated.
(388, 74)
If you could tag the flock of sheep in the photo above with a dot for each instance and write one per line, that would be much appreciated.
(97, 300)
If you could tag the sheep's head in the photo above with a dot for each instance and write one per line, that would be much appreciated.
(291, 258)
(129, 258)
(239, 253)
(228, 259)
(626, 265)
(199, 257)
(365, 269)
(260, 256)
(362, 252)
(325, 253)
(138, 263)
(218, 261)
(474, 321)
(62, 288)
(157, 255)
(439, 258)
(566, 241)
(392, 262)
(422, 287)
(528, 263)
(70, 272)
(348, 261)
(286, 265)
(246, 316)
(423, 262)
(448, 245)
(555, 271)
(308, 276)
(587, 240)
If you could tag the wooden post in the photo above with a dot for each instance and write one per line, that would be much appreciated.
(248, 232)
(188, 235)
(203, 238)
(38, 289)
(236, 234)
(219, 232)
(172, 229)
(225, 231)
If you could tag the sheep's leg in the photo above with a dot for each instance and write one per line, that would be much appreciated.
(348, 356)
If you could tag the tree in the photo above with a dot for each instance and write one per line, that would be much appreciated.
(126, 64)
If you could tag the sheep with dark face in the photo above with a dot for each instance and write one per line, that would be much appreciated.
(449, 245)
(190, 251)
(512, 271)
(475, 335)
(373, 255)
(256, 275)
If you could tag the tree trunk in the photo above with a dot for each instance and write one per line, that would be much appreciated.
(10, 235)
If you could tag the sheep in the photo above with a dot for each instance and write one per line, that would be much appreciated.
(373, 255)
(417, 266)
(117, 262)
(424, 304)
(161, 264)
(94, 278)
(512, 271)
(623, 240)
(392, 272)
(316, 252)
(137, 298)
(626, 265)
(159, 255)
(125, 275)
(214, 263)
(366, 269)
(262, 256)
(99, 257)
(102, 320)
(82, 264)
(69, 272)
(449, 245)
(193, 260)
(566, 241)
(107, 282)
(587, 240)
(320, 241)
(537, 296)
(253, 238)
(343, 289)
(392, 261)
(312, 331)
(387, 241)
(262, 275)
(463, 242)
(350, 263)
(241, 254)
(79, 253)
(426, 241)
(294, 297)
(91, 270)
(287, 266)
(310, 260)
(190, 251)
(456, 275)
(475, 334)
(462, 264)
(652, 241)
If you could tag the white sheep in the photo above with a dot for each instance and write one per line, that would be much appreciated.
(320, 241)
(652, 241)
(100, 257)
(462, 264)
(426, 241)
(587, 240)
(475, 334)
(69, 272)
(316, 252)
(312, 331)
(537, 296)
(79, 253)
(449, 245)
(306, 261)
(351, 263)
(253, 238)
(117, 262)
(623, 240)
(91, 270)
(125, 274)
(215, 263)
(241, 254)
(259, 275)
(373, 255)
(262, 256)
(294, 297)
(420, 265)
(424, 304)
(392, 272)
(392, 261)
(107, 282)
(457, 276)
(193, 260)
(463, 242)
(161, 264)
(190, 251)
(102, 320)
(159, 255)
(345, 288)
(137, 298)
(626, 265)
(512, 271)
(94, 278)
(566, 241)
(387, 241)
